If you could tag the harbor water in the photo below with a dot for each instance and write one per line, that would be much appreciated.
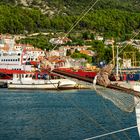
(61, 115)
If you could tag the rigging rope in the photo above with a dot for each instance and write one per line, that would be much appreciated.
(126, 45)
(117, 98)
(80, 18)
(110, 133)
(91, 118)
(114, 118)
(122, 100)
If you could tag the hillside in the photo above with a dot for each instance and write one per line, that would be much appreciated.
(113, 18)
(72, 7)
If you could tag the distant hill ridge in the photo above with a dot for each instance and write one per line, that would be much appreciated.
(70, 7)
(113, 18)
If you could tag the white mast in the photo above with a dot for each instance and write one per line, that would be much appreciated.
(117, 66)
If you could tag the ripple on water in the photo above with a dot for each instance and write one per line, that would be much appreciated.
(60, 115)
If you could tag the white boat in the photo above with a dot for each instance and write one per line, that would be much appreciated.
(12, 60)
(136, 87)
(29, 81)
(137, 110)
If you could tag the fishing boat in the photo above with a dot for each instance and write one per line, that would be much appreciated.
(78, 72)
(38, 81)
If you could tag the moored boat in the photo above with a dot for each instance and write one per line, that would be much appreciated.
(79, 72)
(34, 81)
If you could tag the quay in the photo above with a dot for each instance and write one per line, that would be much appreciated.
(87, 83)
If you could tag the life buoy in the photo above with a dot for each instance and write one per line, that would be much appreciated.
(131, 76)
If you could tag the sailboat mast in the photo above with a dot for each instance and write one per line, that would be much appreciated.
(113, 55)
(117, 65)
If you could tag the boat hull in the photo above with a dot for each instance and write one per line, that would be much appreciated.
(42, 84)
(137, 109)
(33, 86)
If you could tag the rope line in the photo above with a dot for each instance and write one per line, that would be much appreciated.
(125, 45)
(114, 118)
(80, 18)
(92, 119)
(110, 133)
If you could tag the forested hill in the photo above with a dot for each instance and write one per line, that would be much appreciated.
(117, 18)
(75, 6)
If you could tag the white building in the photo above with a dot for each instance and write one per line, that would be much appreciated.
(59, 40)
(100, 38)
(109, 42)
(127, 63)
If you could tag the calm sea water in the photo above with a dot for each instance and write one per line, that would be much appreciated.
(61, 115)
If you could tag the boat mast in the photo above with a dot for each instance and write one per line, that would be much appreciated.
(117, 66)
(113, 55)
